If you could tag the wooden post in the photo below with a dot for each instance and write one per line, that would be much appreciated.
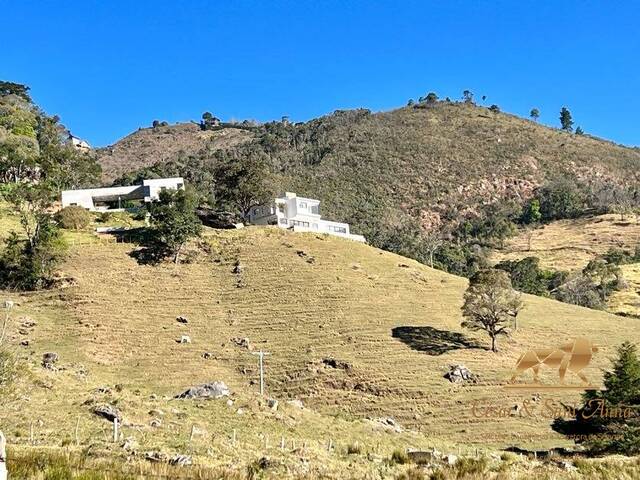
(3, 457)
(282, 443)
(330, 445)
(76, 432)
(193, 432)
(261, 355)
(115, 430)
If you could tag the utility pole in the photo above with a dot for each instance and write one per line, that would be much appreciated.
(261, 355)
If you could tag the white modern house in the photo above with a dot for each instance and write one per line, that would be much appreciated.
(299, 214)
(78, 143)
(113, 198)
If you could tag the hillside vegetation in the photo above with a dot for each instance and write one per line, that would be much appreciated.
(407, 170)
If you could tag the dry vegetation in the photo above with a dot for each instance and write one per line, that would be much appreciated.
(303, 298)
(147, 146)
(570, 244)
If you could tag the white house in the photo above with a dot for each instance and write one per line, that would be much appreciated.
(112, 198)
(300, 214)
(78, 143)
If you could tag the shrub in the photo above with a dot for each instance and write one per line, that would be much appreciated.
(74, 218)
(354, 449)
(560, 199)
(471, 466)
(399, 457)
(8, 371)
(526, 275)
(580, 290)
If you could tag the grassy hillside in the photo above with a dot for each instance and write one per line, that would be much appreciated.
(571, 244)
(148, 146)
(422, 166)
(303, 298)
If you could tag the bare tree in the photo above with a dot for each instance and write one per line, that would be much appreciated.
(491, 304)
(432, 241)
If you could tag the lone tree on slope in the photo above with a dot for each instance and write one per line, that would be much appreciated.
(174, 222)
(565, 119)
(534, 114)
(491, 304)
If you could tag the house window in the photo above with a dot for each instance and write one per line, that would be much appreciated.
(337, 229)
(303, 205)
(315, 209)
(298, 223)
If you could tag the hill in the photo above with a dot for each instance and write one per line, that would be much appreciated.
(354, 332)
(414, 167)
(571, 244)
(148, 146)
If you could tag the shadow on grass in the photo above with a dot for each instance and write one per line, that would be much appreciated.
(433, 341)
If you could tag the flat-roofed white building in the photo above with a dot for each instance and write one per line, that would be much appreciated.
(114, 198)
(299, 214)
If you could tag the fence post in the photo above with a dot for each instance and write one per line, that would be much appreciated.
(115, 430)
(3, 457)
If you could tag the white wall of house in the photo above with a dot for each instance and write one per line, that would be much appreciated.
(90, 198)
(300, 214)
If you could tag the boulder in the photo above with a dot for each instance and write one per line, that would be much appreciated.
(242, 342)
(109, 412)
(207, 391)
(181, 460)
(272, 403)
(182, 319)
(184, 339)
(460, 374)
(333, 363)
(49, 360)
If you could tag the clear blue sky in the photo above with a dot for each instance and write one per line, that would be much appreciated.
(108, 67)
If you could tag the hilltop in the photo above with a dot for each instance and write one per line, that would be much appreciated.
(423, 165)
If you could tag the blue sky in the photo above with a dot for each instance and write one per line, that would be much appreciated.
(109, 67)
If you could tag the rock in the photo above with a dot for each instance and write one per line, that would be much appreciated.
(387, 423)
(242, 342)
(460, 374)
(156, 412)
(272, 403)
(49, 359)
(108, 411)
(28, 323)
(217, 219)
(238, 268)
(184, 339)
(451, 459)
(155, 423)
(240, 411)
(296, 403)
(181, 460)
(24, 343)
(206, 390)
(568, 466)
(229, 403)
(207, 355)
(333, 363)
(182, 320)
(155, 456)
(130, 444)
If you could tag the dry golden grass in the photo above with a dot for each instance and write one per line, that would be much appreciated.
(117, 326)
(570, 244)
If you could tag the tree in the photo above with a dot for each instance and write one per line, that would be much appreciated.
(534, 114)
(579, 131)
(243, 183)
(579, 290)
(208, 121)
(432, 241)
(566, 121)
(10, 88)
(531, 213)
(467, 96)
(494, 108)
(155, 124)
(613, 433)
(174, 222)
(604, 275)
(491, 304)
(431, 98)
(560, 199)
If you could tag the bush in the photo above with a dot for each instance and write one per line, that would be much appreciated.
(74, 218)
(8, 371)
(580, 290)
(354, 449)
(399, 457)
(560, 199)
